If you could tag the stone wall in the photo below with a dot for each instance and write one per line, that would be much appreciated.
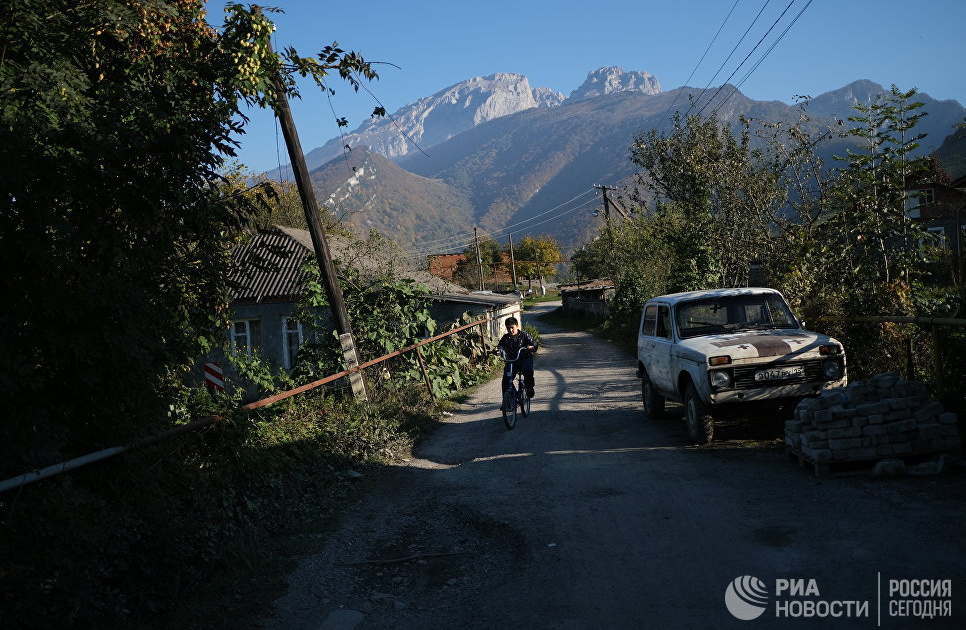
(885, 417)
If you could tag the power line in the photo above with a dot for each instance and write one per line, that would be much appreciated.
(700, 61)
(750, 53)
(770, 48)
(727, 59)
(461, 239)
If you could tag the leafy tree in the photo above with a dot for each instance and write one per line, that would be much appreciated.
(717, 199)
(538, 257)
(115, 228)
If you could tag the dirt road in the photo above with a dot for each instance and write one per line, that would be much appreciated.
(588, 516)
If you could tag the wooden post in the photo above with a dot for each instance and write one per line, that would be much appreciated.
(422, 365)
(937, 360)
(513, 262)
(479, 258)
(330, 279)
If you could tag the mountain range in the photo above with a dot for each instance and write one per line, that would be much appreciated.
(498, 154)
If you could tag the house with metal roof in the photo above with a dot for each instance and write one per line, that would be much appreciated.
(588, 296)
(269, 280)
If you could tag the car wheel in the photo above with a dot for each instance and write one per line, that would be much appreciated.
(653, 402)
(698, 416)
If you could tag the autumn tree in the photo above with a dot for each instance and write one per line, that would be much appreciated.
(538, 257)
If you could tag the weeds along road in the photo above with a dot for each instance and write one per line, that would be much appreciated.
(588, 516)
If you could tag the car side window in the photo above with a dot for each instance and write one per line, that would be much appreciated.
(663, 322)
(650, 321)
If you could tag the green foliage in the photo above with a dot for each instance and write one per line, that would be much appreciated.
(837, 243)
(538, 257)
(140, 541)
(468, 269)
(115, 225)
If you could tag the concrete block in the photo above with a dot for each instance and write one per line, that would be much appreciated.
(930, 430)
(874, 429)
(845, 443)
(947, 417)
(861, 421)
(883, 380)
(850, 432)
(866, 452)
(929, 410)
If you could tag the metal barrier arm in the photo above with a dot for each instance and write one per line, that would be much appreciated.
(56, 469)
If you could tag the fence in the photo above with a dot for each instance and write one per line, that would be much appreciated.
(56, 469)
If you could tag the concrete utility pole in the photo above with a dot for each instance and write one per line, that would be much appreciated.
(479, 258)
(330, 279)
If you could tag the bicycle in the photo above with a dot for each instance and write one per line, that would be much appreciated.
(515, 395)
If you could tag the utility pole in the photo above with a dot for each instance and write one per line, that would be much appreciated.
(330, 279)
(513, 262)
(607, 202)
(479, 258)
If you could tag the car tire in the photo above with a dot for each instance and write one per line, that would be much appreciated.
(653, 402)
(698, 416)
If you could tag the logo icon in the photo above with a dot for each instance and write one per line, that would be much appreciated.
(746, 597)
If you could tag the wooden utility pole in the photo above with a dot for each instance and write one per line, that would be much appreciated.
(479, 258)
(513, 262)
(608, 203)
(330, 279)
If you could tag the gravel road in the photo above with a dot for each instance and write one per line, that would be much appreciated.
(588, 516)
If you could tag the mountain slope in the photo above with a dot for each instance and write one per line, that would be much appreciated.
(373, 193)
(515, 171)
(436, 118)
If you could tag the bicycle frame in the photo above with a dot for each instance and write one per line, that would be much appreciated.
(515, 395)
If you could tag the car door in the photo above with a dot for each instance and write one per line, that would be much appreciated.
(653, 345)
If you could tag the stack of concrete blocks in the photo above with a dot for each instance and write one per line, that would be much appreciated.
(883, 417)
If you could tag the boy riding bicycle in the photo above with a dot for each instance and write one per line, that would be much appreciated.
(511, 343)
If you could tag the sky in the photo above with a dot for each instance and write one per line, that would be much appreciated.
(775, 50)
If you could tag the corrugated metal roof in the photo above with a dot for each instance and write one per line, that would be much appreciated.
(269, 267)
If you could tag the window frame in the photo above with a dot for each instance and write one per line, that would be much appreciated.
(288, 357)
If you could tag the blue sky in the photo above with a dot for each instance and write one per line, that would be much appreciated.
(437, 43)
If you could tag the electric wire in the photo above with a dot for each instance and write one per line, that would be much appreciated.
(463, 244)
(727, 59)
(460, 240)
(766, 53)
(462, 237)
(750, 53)
(701, 60)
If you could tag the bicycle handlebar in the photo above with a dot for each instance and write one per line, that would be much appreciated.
(502, 354)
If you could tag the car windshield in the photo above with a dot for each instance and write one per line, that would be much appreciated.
(732, 313)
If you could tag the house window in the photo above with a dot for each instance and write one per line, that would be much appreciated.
(938, 235)
(292, 340)
(916, 199)
(245, 335)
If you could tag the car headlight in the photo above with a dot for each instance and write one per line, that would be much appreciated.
(720, 379)
(831, 369)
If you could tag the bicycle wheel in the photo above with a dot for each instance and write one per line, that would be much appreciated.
(509, 409)
(524, 401)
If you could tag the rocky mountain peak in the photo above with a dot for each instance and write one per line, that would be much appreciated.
(438, 117)
(613, 79)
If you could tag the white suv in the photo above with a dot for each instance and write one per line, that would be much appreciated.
(720, 347)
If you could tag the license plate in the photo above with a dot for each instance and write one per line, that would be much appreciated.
(780, 374)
